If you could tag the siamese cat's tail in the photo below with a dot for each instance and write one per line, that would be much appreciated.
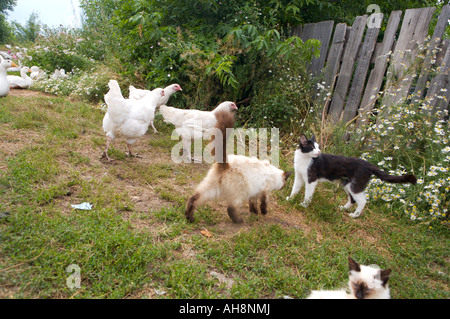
(225, 120)
(408, 178)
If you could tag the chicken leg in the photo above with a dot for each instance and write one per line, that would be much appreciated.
(105, 153)
(130, 152)
(154, 129)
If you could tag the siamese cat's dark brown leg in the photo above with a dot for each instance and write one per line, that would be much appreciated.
(234, 215)
(263, 203)
(189, 213)
(253, 205)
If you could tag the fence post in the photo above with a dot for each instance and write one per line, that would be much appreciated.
(348, 63)
(373, 86)
(436, 40)
(359, 79)
(413, 31)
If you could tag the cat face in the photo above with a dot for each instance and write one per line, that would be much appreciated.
(280, 177)
(367, 282)
(285, 177)
(309, 147)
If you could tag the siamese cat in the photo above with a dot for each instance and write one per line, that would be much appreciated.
(235, 179)
(365, 282)
(311, 166)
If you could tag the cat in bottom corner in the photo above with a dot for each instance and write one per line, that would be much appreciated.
(365, 282)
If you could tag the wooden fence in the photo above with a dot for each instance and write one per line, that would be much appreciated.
(360, 72)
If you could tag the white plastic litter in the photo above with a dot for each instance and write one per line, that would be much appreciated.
(159, 291)
(83, 206)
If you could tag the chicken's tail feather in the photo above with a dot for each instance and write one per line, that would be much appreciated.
(164, 110)
(171, 115)
(114, 91)
(114, 99)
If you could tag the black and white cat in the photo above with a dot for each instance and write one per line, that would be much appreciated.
(365, 282)
(312, 166)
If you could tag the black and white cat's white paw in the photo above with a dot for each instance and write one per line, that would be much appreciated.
(355, 214)
(304, 204)
(345, 207)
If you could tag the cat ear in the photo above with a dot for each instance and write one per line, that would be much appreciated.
(313, 138)
(303, 140)
(384, 275)
(353, 265)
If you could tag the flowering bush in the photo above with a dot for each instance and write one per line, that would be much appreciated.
(411, 141)
(408, 137)
(89, 85)
(59, 48)
(92, 85)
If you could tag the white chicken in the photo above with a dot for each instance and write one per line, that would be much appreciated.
(20, 82)
(128, 118)
(137, 94)
(193, 124)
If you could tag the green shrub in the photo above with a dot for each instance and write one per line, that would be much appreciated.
(284, 95)
(57, 49)
(410, 141)
(89, 85)
(49, 60)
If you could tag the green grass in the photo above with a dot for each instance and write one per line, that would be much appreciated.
(136, 239)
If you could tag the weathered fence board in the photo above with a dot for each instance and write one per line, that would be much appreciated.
(356, 86)
(442, 50)
(438, 95)
(321, 31)
(359, 79)
(376, 76)
(413, 31)
(335, 54)
(436, 40)
(348, 63)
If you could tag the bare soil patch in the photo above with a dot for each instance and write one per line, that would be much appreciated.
(27, 93)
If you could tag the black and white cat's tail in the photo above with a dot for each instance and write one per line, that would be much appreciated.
(225, 120)
(408, 178)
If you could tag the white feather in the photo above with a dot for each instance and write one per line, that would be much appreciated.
(137, 94)
(127, 118)
(193, 124)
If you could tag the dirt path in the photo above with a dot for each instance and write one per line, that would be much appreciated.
(146, 196)
(27, 92)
